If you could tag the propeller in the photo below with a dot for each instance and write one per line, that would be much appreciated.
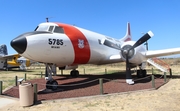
(143, 39)
(128, 52)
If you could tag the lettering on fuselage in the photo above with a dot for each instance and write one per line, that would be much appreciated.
(55, 43)
(56, 47)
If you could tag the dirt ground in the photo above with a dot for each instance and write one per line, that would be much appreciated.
(166, 98)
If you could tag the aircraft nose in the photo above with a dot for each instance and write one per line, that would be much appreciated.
(19, 44)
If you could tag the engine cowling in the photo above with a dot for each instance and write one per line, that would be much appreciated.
(135, 55)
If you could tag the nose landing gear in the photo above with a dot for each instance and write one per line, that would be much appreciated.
(51, 70)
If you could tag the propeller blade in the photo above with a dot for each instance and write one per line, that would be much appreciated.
(143, 39)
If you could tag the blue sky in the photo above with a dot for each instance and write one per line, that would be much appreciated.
(108, 17)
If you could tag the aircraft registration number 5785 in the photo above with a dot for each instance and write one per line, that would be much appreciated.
(55, 42)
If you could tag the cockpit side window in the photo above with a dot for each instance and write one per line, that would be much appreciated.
(58, 29)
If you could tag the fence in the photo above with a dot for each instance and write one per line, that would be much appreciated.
(102, 82)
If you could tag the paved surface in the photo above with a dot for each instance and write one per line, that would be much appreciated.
(4, 101)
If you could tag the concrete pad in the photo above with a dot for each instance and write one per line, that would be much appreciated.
(6, 101)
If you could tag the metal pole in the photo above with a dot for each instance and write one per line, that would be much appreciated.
(105, 71)
(101, 85)
(16, 80)
(152, 71)
(25, 77)
(165, 77)
(153, 82)
(1, 87)
(35, 93)
(61, 72)
(170, 72)
(41, 74)
(84, 71)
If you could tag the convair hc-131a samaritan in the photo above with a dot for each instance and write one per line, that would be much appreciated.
(67, 46)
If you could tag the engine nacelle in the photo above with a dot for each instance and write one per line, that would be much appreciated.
(136, 55)
(68, 67)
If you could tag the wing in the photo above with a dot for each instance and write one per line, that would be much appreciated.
(9, 56)
(165, 52)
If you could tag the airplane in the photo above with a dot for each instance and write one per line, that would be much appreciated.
(67, 46)
(12, 61)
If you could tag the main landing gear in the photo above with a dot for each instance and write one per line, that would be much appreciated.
(141, 73)
(51, 83)
(74, 73)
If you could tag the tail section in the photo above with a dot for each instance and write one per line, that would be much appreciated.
(3, 50)
(127, 37)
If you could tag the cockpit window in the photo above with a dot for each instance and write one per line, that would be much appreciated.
(36, 28)
(58, 29)
(42, 28)
(51, 28)
(55, 29)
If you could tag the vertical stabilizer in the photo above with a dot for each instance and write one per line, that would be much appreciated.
(3, 50)
(127, 37)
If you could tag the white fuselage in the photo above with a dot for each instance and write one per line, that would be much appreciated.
(74, 46)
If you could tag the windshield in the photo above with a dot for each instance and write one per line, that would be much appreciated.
(42, 28)
(55, 29)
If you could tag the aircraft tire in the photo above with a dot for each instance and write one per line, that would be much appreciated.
(141, 73)
(74, 73)
(48, 83)
(54, 84)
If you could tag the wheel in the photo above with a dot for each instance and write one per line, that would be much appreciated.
(144, 73)
(74, 73)
(54, 84)
(141, 73)
(48, 85)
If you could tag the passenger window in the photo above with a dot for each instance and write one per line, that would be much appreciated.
(58, 29)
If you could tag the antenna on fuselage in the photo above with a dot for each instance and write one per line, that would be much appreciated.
(47, 19)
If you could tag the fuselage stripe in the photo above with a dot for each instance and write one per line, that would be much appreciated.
(79, 42)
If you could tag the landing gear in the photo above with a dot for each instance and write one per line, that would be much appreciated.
(74, 73)
(141, 73)
(52, 84)
(51, 70)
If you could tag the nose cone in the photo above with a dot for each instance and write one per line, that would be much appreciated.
(19, 44)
